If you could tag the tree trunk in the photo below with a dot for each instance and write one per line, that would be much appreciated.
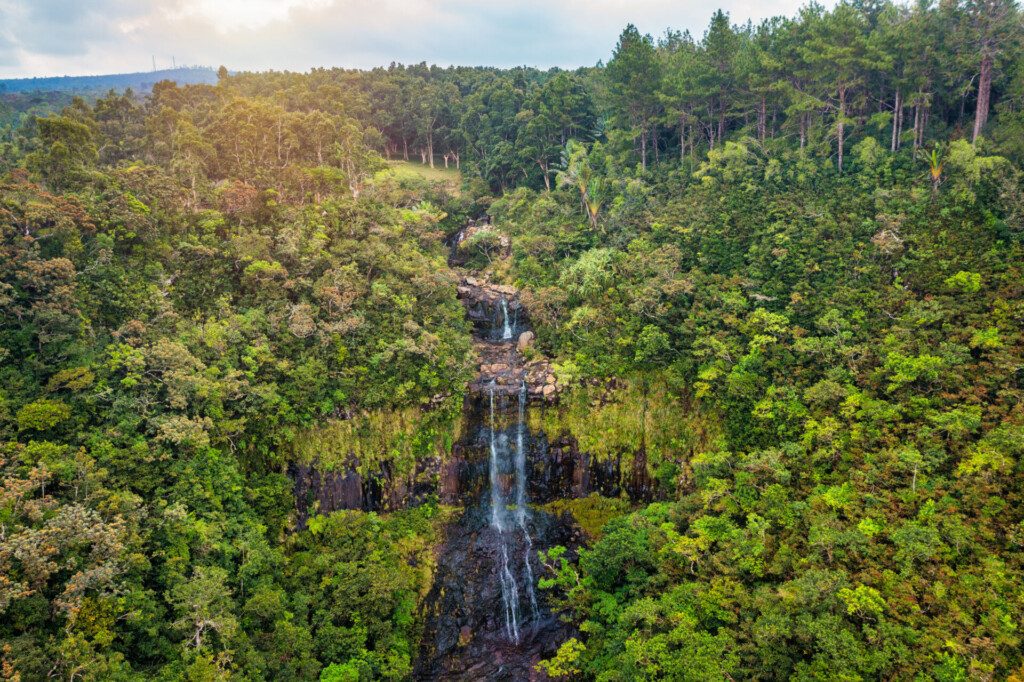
(654, 143)
(405, 149)
(917, 121)
(762, 119)
(280, 134)
(803, 130)
(899, 132)
(895, 123)
(984, 93)
(682, 138)
(643, 149)
(840, 126)
(430, 147)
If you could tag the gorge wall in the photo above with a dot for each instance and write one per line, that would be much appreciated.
(559, 467)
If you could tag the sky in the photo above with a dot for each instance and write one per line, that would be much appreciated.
(84, 37)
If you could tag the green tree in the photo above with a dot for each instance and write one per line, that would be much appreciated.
(67, 150)
(633, 75)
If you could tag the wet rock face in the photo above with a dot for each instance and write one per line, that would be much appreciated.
(485, 566)
(557, 470)
(324, 491)
(561, 471)
(319, 491)
(466, 636)
(484, 618)
(494, 309)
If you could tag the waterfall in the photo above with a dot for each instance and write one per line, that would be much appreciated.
(521, 509)
(509, 589)
(496, 511)
(510, 596)
(486, 570)
(506, 333)
(521, 459)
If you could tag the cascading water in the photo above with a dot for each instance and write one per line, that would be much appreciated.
(521, 502)
(506, 332)
(509, 588)
(494, 471)
(484, 617)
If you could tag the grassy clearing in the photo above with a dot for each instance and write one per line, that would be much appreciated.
(436, 174)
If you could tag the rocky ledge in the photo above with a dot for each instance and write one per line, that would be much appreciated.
(503, 343)
(502, 366)
(483, 301)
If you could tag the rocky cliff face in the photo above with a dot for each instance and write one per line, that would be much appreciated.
(320, 491)
(484, 616)
(558, 468)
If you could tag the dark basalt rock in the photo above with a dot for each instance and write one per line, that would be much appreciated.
(501, 361)
(487, 305)
(319, 491)
(466, 634)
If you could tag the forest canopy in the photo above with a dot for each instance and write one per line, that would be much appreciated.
(805, 235)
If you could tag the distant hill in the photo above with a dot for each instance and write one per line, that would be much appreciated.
(140, 82)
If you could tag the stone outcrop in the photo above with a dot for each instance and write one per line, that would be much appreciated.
(320, 491)
(501, 360)
(483, 303)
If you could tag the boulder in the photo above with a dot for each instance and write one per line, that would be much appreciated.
(525, 341)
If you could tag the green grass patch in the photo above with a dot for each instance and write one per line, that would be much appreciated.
(401, 436)
(607, 424)
(591, 512)
(415, 169)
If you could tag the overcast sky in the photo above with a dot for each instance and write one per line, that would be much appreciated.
(79, 37)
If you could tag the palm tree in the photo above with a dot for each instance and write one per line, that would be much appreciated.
(935, 164)
(577, 172)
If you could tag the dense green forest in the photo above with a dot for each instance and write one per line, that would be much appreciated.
(780, 266)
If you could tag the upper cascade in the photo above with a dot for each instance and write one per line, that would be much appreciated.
(503, 341)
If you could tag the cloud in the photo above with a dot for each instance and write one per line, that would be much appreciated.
(57, 37)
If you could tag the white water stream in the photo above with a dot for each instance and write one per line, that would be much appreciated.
(499, 459)
(506, 333)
